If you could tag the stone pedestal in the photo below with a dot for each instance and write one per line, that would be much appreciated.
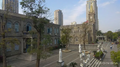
(60, 64)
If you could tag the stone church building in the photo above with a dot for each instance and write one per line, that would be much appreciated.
(77, 30)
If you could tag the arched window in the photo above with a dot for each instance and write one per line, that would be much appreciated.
(28, 27)
(55, 41)
(8, 25)
(55, 30)
(50, 30)
(16, 27)
(76, 39)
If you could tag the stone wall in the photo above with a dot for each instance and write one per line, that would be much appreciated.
(90, 47)
(22, 34)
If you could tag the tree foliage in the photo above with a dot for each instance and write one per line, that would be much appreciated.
(6, 42)
(99, 33)
(85, 31)
(115, 56)
(118, 46)
(109, 35)
(35, 10)
(73, 64)
(115, 36)
(65, 37)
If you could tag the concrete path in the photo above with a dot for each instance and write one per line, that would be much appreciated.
(51, 61)
(107, 62)
(67, 58)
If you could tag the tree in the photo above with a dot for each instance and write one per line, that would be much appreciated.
(35, 10)
(115, 56)
(6, 42)
(115, 36)
(46, 41)
(73, 64)
(85, 31)
(109, 35)
(65, 36)
(99, 33)
(118, 46)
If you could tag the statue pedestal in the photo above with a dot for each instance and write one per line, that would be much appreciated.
(60, 64)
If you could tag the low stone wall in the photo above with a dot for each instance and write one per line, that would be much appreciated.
(90, 47)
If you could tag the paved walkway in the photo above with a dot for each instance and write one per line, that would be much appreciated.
(67, 58)
(51, 61)
(107, 62)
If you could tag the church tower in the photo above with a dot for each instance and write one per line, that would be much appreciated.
(92, 5)
(92, 23)
(91, 15)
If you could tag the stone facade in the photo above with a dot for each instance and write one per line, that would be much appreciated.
(77, 32)
(20, 27)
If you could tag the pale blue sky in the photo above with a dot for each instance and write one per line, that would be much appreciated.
(75, 10)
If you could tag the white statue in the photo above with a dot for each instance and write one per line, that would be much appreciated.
(98, 50)
(98, 46)
(79, 48)
(101, 49)
(60, 55)
(88, 55)
(81, 56)
(81, 65)
(88, 59)
(85, 61)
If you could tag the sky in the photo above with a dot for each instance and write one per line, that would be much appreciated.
(75, 10)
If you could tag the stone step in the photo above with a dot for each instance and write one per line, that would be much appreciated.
(89, 61)
(92, 62)
(95, 63)
(99, 64)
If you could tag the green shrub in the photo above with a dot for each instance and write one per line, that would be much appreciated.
(9, 66)
(98, 54)
(55, 47)
(50, 48)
